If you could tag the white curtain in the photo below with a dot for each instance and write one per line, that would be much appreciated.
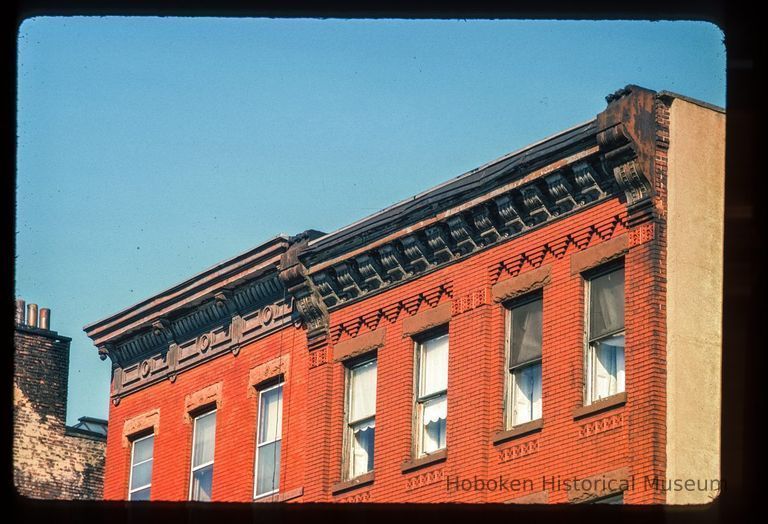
(609, 367)
(527, 401)
(607, 309)
(526, 333)
(271, 415)
(435, 410)
(434, 422)
(362, 448)
(363, 384)
(434, 372)
(205, 438)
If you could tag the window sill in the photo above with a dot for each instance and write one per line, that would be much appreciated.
(613, 401)
(346, 485)
(426, 460)
(281, 497)
(523, 429)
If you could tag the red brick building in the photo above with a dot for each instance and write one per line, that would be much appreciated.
(521, 333)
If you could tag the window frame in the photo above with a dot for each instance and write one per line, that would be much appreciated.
(346, 471)
(590, 353)
(418, 400)
(192, 468)
(279, 382)
(136, 439)
(509, 375)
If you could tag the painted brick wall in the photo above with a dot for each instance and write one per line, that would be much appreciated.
(628, 438)
(48, 463)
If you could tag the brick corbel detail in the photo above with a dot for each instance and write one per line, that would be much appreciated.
(618, 478)
(428, 319)
(521, 284)
(137, 424)
(204, 397)
(268, 370)
(359, 345)
(599, 254)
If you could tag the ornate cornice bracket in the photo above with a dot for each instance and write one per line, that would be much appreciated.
(306, 295)
(626, 138)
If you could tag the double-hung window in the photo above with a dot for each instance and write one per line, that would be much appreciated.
(361, 418)
(203, 442)
(524, 362)
(605, 334)
(431, 393)
(268, 439)
(141, 468)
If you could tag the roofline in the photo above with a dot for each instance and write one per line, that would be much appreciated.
(453, 181)
(177, 294)
(696, 101)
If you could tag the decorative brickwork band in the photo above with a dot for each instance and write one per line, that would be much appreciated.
(140, 424)
(266, 371)
(470, 301)
(559, 247)
(207, 396)
(521, 284)
(428, 319)
(357, 346)
(599, 254)
(371, 320)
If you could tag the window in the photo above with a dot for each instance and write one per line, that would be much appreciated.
(361, 418)
(141, 468)
(611, 499)
(524, 362)
(268, 438)
(432, 393)
(605, 350)
(203, 441)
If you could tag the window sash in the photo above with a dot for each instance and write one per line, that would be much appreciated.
(525, 330)
(360, 417)
(433, 366)
(426, 444)
(266, 445)
(198, 470)
(133, 490)
(606, 376)
(525, 408)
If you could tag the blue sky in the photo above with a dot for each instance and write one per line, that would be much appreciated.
(152, 148)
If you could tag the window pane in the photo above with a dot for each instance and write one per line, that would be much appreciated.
(363, 385)
(142, 494)
(268, 469)
(525, 336)
(606, 311)
(141, 475)
(609, 367)
(271, 415)
(202, 482)
(363, 437)
(434, 422)
(434, 365)
(205, 437)
(142, 449)
(527, 394)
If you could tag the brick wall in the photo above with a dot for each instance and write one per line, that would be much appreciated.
(622, 441)
(49, 463)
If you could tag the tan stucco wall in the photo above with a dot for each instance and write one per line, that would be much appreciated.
(694, 296)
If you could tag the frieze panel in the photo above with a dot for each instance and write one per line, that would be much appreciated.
(185, 342)
(558, 247)
(425, 479)
(460, 234)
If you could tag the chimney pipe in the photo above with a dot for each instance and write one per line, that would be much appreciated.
(20, 306)
(45, 318)
(32, 315)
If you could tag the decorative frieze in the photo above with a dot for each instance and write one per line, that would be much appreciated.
(427, 478)
(518, 451)
(558, 247)
(601, 425)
